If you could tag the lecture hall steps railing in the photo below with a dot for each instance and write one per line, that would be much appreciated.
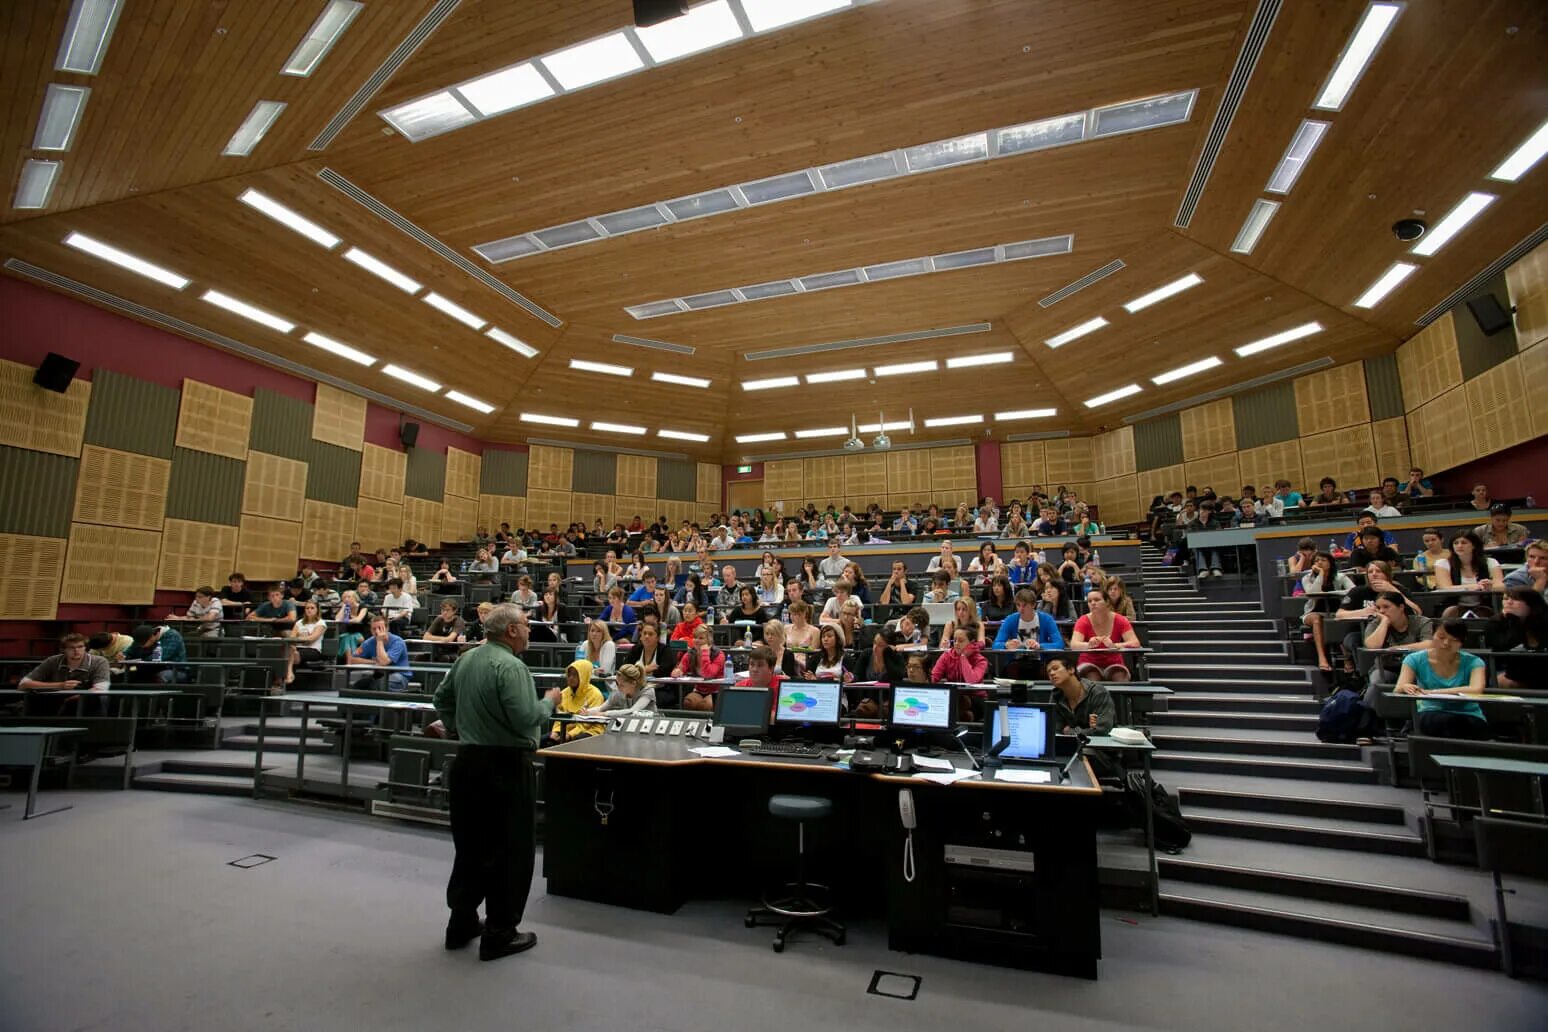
(1291, 835)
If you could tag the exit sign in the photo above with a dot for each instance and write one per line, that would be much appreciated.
(744, 469)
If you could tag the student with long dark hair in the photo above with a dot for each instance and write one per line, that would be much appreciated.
(1445, 668)
(1521, 632)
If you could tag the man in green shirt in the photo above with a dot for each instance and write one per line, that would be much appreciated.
(489, 702)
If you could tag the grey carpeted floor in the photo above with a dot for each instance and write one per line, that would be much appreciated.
(123, 914)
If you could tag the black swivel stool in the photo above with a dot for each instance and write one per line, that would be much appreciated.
(798, 904)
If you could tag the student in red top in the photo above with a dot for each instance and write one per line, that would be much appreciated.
(760, 670)
(690, 623)
(963, 663)
(1101, 628)
(705, 661)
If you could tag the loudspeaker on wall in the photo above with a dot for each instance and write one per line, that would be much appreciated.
(408, 433)
(55, 373)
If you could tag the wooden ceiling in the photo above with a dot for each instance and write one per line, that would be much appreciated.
(1452, 91)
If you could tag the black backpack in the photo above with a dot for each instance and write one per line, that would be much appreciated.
(1344, 718)
(1166, 816)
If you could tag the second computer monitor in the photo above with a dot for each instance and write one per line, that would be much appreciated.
(922, 707)
(1031, 732)
(808, 702)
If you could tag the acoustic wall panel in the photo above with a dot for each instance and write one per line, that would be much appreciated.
(1331, 399)
(824, 479)
(382, 472)
(459, 520)
(210, 419)
(121, 489)
(594, 472)
(710, 485)
(196, 555)
(422, 520)
(1117, 499)
(205, 487)
(1428, 363)
(1162, 481)
(494, 509)
(1449, 431)
(865, 479)
(30, 567)
(339, 418)
(1496, 401)
(42, 420)
(548, 508)
(132, 415)
(908, 473)
(1263, 465)
(378, 523)
(503, 472)
(1390, 439)
(677, 480)
(1112, 453)
(1218, 471)
(267, 548)
(275, 486)
(1158, 443)
(784, 481)
(677, 512)
(636, 476)
(587, 507)
(1023, 466)
(282, 425)
(549, 468)
(333, 474)
(327, 530)
(626, 507)
(462, 474)
(1534, 373)
(37, 492)
(1348, 456)
(425, 474)
(1527, 282)
(1208, 429)
(1384, 387)
(1265, 416)
(112, 565)
(1067, 460)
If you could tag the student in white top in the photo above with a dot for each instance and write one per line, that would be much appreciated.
(988, 521)
(935, 560)
(833, 564)
(598, 648)
(306, 640)
(1468, 566)
(1380, 507)
(397, 604)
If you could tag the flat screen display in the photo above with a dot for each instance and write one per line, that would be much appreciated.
(808, 702)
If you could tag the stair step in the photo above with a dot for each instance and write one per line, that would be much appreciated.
(1252, 672)
(1244, 703)
(1260, 742)
(213, 765)
(1233, 657)
(1214, 621)
(1304, 722)
(1317, 805)
(1169, 631)
(1393, 899)
(277, 745)
(1262, 766)
(207, 784)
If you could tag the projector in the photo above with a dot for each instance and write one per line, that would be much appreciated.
(882, 442)
(854, 444)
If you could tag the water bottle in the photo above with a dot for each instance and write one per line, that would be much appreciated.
(747, 638)
(1531, 503)
(1282, 566)
(1332, 546)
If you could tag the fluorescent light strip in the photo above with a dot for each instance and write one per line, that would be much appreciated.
(511, 341)
(1523, 157)
(62, 107)
(1187, 370)
(340, 349)
(470, 401)
(533, 417)
(86, 36)
(600, 367)
(1030, 413)
(770, 383)
(1076, 332)
(253, 128)
(1112, 396)
(881, 428)
(681, 381)
(377, 267)
(1456, 221)
(1302, 145)
(125, 260)
(758, 438)
(905, 368)
(618, 428)
(1385, 284)
(456, 311)
(836, 376)
(36, 184)
(682, 435)
(1368, 36)
(409, 376)
(288, 218)
(822, 431)
(1298, 332)
(969, 361)
(1161, 293)
(953, 420)
(247, 311)
(1257, 220)
(321, 37)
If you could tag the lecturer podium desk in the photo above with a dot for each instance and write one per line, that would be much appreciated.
(640, 821)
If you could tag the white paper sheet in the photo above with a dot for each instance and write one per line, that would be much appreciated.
(1024, 777)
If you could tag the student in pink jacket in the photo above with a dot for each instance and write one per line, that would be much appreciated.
(964, 662)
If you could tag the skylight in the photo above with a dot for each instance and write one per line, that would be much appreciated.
(1368, 36)
(86, 36)
(1302, 145)
(506, 90)
(764, 15)
(125, 260)
(62, 107)
(287, 217)
(429, 116)
(36, 183)
(1257, 220)
(594, 61)
(707, 25)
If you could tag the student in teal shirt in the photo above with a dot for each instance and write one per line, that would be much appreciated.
(1444, 667)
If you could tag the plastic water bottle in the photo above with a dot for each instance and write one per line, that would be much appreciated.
(1531, 503)
(747, 637)
(1332, 546)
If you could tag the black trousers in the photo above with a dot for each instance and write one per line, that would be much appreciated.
(493, 818)
(1444, 724)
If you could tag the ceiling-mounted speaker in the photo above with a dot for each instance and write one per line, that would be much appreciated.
(654, 12)
(1491, 316)
(55, 373)
(408, 433)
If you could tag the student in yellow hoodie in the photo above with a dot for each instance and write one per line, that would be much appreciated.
(579, 694)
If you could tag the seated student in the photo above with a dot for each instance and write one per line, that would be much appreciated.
(602, 578)
(524, 596)
(1500, 532)
(896, 590)
(770, 591)
(1481, 500)
(1300, 561)
(1050, 523)
(829, 662)
(1393, 627)
(110, 646)
(1249, 515)
(617, 615)
(706, 662)
(598, 648)
(579, 696)
(691, 621)
(783, 660)
(1322, 579)
(1081, 705)
(1327, 495)
(206, 609)
(1371, 548)
(964, 617)
(646, 591)
(1286, 499)
(802, 633)
(693, 590)
(1379, 507)
(382, 649)
(1468, 566)
(71, 669)
(1444, 667)
(325, 594)
(1521, 633)
(447, 625)
(649, 653)
(963, 662)
(398, 605)
(1023, 564)
(941, 589)
(1534, 574)
(986, 563)
(631, 693)
(1031, 629)
(842, 592)
(1362, 521)
(305, 641)
(747, 610)
(367, 596)
(761, 671)
(1117, 593)
(938, 559)
(549, 609)
(161, 645)
(1418, 485)
(483, 567)
(999, 601)
(297, 591)
(1433, 551)
(235, 599)
(1101, 628)
(1083, 525)
(515, 553)
(1392, 493)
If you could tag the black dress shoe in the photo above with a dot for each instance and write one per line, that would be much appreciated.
(495, 947)
(460, 933)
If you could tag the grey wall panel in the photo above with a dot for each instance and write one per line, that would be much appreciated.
(503, 472)
(1158, 442)
(37, 492)
(131, 414)
(595, 472)
(1266, 415)
(426, 475)
(677, 479)
(333, 474)
(205, 487)
(1383, 387)
(1480, 353)
(282, 425)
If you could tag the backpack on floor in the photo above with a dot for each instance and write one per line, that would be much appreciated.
(1344, 718)
(1166, 816)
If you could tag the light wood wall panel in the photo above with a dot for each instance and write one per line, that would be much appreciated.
(1023, 466)
(1348, 456)
(1162, 481)
(210, 419)
(1534, 374)
(546, 506)
(1429, 364)
(865, 479)
(494, 509)
(1218, 471)
(464, 470)
(586, 507)
(1208, 430)
(626, 507)
(551, 469)
(953, 474)
(908, 474)
(1112, 453)
(1268, 463)
(1067, 461)
(31, 417)
(382, 473)
(1390, 439)
(1496, 401)
(421, 520)
(637, 476)
(274, 486)
(339, 417)
(268, 548)
(784, 480)
(459, 520)
(378, 523)
(1527, 281)
(1446, 429)
(1332, 398)
(676, 510)
(113, 565)
(710, 485)
(1118, 499)
(823, 479)
(30, 568)
(197, 554)
(122, 489)
(326, 530)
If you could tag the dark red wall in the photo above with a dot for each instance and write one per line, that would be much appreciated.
(1512, 473)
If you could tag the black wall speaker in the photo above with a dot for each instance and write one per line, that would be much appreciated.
(654, 12)
(55, 373)
(1490, 315)
(408, 433)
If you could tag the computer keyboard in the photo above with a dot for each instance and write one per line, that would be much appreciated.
(798, 749)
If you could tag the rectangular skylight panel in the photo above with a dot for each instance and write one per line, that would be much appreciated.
(1038, 248)
(870, 169)
(1112, 396)
(376, 267)
(254, 128)
(711, 202)
(1285, 337)
(618, 428)
(905, 368)
(963, 259)
(771, 383)
(36, 183)
(778, 188)
(449, 307)
(1150, 113)
(760, 291)
(945, 153)
(1523, 157)
(506, 90)
(680, 380)
(594, 61)
(62, 107)
(764, 15)
(1030, 413)
(1161, 293)
(633, 220)
(125, 260)
(822, 431)
(247, 311)
(578, 232)
(600, 367)
(429, 116)
(409, 376)
(86, 36)
(969, 361)
(470, 401)
(758, 438)
(1456, 221)
(1188, 370)
(321, 37)
(497, 251)
(827, 280)
(1257, 220)
(953, 421)
(876, 428)
(1076, 332)
(652, 309)
(288, 217)
(534, 417)
(339, 348)
(682, 435)
(836, 376)
(713, 299)
(1386, 284)
(894, 270)
(707, 25)
(1050, 132)
(1362, 46)
(510, 340)
(1302, 145)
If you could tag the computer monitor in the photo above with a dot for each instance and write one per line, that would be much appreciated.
(743, 712)
(922, 707)
(1031, 732)
(808, 702)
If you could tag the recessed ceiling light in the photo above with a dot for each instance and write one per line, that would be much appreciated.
(836, 376)
(62, 107)
(705, 26)
(944, 153)
(1253, 225)
(600, 367)
(409, 376)
(1146, 113)
(682, 435)
(247, 311)
(876, 428)
(1028, 413)
(36, 183)
(253, 128)
(764, 15)
(771, 382)
(822, 431)
(1456, 221)
(340, 349)
(86, 36)
(380, 268)
(1050, 132)
(533, 417)
(1161, 293)
(1303, 330)
(1302, 145)
(969, 361)
(953, 420)
(506, 90)
(456, 311)
(1368, 35)
(321, 37)
(511, 341)
(123, 259)
(1187, 370)
(904, 368)
(470, 402)
(681, 381)
(287, 217)
(1385, 284)
(429, 116)
(1523, 157)
(1111, 396)
(594, 61)
(1076, 332)
(758, 438)
(618, 428)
